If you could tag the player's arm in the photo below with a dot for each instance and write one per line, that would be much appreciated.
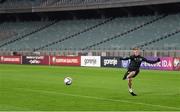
(151, 61)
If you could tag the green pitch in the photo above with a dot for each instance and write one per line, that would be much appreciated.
(38, 88)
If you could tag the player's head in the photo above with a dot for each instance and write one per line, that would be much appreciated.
(136, 51)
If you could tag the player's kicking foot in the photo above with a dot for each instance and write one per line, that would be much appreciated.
(133, 94)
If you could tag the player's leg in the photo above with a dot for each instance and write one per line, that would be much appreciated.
(130, 84)
(125, 75)
(129, 77)
(136, 73)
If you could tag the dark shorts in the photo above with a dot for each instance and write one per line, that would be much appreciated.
(136, 73)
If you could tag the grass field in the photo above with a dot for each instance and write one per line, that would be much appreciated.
(38, 88)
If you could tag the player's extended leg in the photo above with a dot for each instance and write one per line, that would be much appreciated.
(129, 77)
(125, 75)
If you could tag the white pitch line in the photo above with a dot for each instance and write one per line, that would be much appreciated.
(98, 98)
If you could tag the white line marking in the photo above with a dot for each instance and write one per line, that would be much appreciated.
(98, 98)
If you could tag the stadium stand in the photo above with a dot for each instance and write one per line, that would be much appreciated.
(80, 34)
(23, 29)
(102, 29)
(76, 34)
(17, 3)
(61, 31)
(149, 32)
(103, 32)
(166, 42)
(6, 34)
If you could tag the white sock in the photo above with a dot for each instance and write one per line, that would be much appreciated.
(130, 90)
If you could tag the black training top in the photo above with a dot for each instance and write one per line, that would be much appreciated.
(135, 61)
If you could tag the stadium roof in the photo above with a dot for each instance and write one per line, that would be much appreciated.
(62, 5)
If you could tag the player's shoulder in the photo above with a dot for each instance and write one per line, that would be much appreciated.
(141, 56)
(131, 56)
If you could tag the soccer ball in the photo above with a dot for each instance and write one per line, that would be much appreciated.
(67, 81)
